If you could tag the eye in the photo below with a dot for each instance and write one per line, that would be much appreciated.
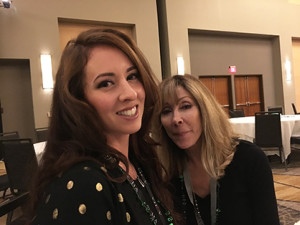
(133, 76)
(186, 106)
(166, 111)
(105, 83)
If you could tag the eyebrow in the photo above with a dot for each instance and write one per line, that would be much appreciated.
(112, 74)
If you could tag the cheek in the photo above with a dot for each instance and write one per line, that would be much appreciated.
(100, 104)
(163, 121)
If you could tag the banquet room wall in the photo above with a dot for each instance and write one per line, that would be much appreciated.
(30, 28)
(251, 17)
(211, 52)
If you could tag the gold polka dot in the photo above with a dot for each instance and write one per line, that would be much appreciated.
(82, 209)
(70, 184)
(99, 187)
(55, 214)
(108, 215)
(86, 168)
(47, 199)
(127, 217)
(120, 196)
(103, 169)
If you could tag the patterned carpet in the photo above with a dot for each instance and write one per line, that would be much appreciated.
(287, 186)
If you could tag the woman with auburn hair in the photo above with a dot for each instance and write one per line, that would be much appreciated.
(99, 164)
(218, 178)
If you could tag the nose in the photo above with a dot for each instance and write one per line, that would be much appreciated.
(127, 92)
(177, 118)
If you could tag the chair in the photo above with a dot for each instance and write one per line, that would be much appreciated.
(295, 142)
(4, 183)
(275, 109)
(21, 166)
(41, 134)
(268, 133)
(9, 135)
(9, 205)
(233, 113)
(294, 109)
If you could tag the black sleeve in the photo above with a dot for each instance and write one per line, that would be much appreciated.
(261, 187)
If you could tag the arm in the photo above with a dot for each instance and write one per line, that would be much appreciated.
(262, 193)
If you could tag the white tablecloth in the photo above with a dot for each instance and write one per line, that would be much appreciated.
(39, 149)
(290, 126)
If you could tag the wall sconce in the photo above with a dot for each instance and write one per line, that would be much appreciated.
(6, 3)
(180, 66)
(46, 66)
(288, 70)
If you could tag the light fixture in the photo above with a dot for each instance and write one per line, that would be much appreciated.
(46, 66)
(6, 3)
(180, 66)
(288, 70)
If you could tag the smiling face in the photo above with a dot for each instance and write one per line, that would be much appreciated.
(114, 89)
(181, 119)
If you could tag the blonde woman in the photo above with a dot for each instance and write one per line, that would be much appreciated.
(218, 178)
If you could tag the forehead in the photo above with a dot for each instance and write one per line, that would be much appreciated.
(173, 94)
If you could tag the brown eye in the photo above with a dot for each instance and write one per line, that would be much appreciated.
(105, 83)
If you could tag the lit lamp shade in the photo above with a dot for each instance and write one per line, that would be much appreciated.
(46, 65)
(180, 66)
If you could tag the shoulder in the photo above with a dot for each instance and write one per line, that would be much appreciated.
(249, 150)
(84, 177)
(249, 156)
(82, 193)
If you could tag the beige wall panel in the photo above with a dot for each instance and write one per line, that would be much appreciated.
(296, 63)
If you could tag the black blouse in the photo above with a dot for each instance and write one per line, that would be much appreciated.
(245, 195)
(83, 195)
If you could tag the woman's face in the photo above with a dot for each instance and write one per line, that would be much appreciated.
(114, 89)
(181, 119)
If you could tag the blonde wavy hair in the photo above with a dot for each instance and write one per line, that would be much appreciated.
(217, 138)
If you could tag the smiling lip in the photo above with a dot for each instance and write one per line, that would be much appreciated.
(180, 133)
(130, 112)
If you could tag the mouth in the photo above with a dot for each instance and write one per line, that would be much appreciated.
(128, 112)
(179, 134)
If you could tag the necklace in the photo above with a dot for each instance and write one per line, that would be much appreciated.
(195, 204)
(143, 182)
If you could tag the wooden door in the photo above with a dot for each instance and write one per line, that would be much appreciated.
(220, 87)
(249, 93)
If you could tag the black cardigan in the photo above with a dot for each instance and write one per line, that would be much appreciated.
(246, 193)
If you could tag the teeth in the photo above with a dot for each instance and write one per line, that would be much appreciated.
(130, 112)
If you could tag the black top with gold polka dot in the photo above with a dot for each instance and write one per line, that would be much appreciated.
(84, 196)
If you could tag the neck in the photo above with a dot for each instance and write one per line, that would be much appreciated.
(120, 143)
(194, 154)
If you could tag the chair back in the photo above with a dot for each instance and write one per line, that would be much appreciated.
(20, 162)
(294, 109)
(9, 135)
(275, 109)
(41, 134)
(268, 129)
(233, 113)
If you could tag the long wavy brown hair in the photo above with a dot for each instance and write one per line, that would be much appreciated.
(76, 131)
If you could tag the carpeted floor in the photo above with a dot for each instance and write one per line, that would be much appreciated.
(287, 187)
